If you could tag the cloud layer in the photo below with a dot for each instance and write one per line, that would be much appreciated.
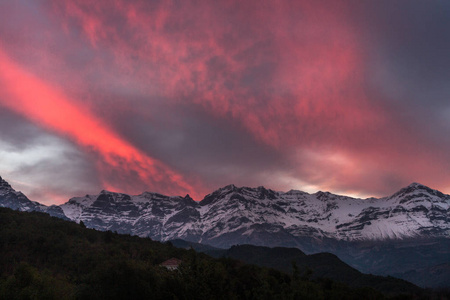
(182, 97)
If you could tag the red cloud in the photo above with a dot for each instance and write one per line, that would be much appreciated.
(292, 74)
(49, 107)
(205, 53)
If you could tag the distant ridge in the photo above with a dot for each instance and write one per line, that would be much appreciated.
(314, 266)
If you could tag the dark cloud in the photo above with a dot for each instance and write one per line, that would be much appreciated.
(409, 64)
(408, 44)
(346, 96)
(200, 145)
(44, 167)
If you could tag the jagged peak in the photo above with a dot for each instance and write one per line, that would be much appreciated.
(263, 188)
(210, 198)
(296, 192)
(4, 183)
(227, 188)
(413, 187)
(234, 188)
(106, 192)
(152, 195)
(260, 192)
(230, 187)
(322, 195)
(188, 199)
(417, 185)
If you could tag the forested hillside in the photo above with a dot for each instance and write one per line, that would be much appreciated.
(43, 257)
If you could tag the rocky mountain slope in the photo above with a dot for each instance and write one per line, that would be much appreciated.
(259, 216)
(18, 201)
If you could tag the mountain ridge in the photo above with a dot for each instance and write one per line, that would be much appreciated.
(415, 210)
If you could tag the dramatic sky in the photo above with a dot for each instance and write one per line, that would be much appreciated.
(179, 97)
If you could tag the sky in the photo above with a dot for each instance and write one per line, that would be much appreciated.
(184, 97)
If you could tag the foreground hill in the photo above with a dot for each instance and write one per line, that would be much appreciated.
(48, 258)
(320, 265)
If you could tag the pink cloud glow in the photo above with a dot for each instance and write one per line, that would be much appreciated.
(292, 77)
(50, 108)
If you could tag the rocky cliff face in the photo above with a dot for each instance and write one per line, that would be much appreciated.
(233, 215)
(148, 215)
(239, 215)
(18, 201)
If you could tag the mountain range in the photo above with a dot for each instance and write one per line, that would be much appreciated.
(416, 217)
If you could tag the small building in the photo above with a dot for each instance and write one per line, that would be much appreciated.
(171, 264)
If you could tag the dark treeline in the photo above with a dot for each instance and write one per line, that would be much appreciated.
(42, 257)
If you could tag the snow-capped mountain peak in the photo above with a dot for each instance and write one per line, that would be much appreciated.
(232, 215)
(11, 198)
(4, 185)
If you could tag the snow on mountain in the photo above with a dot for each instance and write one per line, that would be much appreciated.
(233, 215)
(147, 214)
(18, 201)
(237, 215)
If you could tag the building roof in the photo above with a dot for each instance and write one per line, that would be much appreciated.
(171, 262)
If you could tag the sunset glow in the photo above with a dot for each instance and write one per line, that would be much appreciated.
(49, 108)
(178, 97)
